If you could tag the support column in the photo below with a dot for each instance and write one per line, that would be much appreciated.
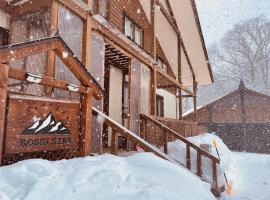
(195, 86)
(86, 48)
(153, 72)
(51, 54)
(3, 102)
(86, 120)
(180, 100)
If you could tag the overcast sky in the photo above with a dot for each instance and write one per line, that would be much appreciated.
(218, 16)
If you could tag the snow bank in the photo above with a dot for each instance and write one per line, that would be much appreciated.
(252, 180)
(142, 176)
(177, 151)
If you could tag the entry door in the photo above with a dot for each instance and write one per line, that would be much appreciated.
(115, 96)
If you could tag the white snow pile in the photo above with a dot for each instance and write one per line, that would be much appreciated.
(177, 151)
(142, 176)
(253, 177)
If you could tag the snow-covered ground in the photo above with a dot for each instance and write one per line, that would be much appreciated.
(177, 151)
(142, 176)
(252, 177)
(248, 174)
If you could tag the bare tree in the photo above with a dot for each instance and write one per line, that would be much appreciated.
(245, 52)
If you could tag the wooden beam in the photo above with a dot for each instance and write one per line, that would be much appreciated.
(16, 52)
(180, 40)
(82, 12)
(165, 75)
(167, 16)
(153, 21)
(51, 54)
(27, 7)
(76, 68)
(46, 80)
(3, 102)
(85, 135)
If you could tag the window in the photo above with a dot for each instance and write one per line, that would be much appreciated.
(100, 7)
(3, 37)
(160, 106)
(133, 32)
(162, 65)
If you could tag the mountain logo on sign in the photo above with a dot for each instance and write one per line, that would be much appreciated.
(48, 125)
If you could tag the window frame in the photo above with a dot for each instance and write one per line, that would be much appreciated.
(163, 65)
(134, 26)
(4, 36)
(96, 7)
(160, 99)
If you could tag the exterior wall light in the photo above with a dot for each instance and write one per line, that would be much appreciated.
(33, 78)
(73, 88)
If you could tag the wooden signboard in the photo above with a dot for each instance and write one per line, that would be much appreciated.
(41, 124)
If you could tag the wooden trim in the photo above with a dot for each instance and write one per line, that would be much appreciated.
(201, 37)
(4, 70)
(46, 80)
(86, 131)
(51, 55)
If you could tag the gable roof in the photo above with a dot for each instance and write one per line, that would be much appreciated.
(240, 88)
(58, 45)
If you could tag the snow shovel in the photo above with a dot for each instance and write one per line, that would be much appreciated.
(229, 185)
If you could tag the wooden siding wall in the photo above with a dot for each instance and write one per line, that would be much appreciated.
(241, 119)
(134, 10)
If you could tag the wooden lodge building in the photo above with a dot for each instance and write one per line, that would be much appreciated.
(80, 77)
(241, 118)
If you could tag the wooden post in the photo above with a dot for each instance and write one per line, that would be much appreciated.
(199, 164)
(51, 54)
(195, 84)
(86, 48)
(165, 142)
(3, 102)
(214, 174)
(153, 91)
(152, 21)
(153, 72)
(114, 143)
(86, 109)
(188, 163)
(180, 103)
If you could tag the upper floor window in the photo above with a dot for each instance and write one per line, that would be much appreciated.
(3, 37)
(133, 32)
(101, 7)
(162, 65)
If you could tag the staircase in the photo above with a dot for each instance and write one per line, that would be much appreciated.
(149, 145)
